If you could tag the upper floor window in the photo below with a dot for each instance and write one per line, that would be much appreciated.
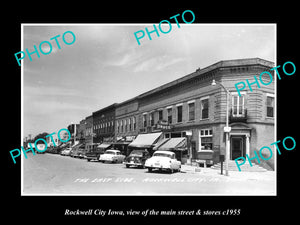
(238, 104)
(204, 107)
(169, 111)
(191, 110)
(179, 113)
(145, 120)
(160, 114)
(134, 123)
(130, 123)
(270, 105)
(151, 119)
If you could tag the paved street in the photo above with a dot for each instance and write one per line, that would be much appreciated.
(48, 174)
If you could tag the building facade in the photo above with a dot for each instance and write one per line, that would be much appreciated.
(104, 124)
(192, 107)
(81, 131)
(73, 129)
(126, 117)
(126, 128)
(89, 132)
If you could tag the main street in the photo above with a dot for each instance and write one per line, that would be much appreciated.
(49, 174)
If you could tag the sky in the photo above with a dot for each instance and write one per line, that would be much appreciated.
(105, 64)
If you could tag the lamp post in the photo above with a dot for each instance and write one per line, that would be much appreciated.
(226, 129)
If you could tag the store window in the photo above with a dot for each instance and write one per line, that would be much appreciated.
(205, 139)
(270, 105)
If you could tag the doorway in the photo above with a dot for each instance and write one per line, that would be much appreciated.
(237, 147)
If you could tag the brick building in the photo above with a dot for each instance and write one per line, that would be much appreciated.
(81, 131)
(192, 107)
(89, 132)
(126, 128)
(104, 124)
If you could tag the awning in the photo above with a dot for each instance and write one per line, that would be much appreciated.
(145, 140)
(64, 145)
(78, 145)
(173, 144)
(160, 143)
(104, 145)
(122, 143)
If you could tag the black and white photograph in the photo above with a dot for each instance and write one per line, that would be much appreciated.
(149, 113)
(167, 109)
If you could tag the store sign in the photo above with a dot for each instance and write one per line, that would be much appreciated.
(163, 125)
(129, 138)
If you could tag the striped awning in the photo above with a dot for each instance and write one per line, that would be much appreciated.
(173, 144)
(104, 145)
(145, 140)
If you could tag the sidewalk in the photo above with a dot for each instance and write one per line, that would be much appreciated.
(233, 175)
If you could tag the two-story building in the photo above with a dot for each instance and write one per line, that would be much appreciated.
(194, 108)
(126, 128)
(89, 132)
(104, 124)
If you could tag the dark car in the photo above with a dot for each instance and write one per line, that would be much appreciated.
(94, 154)
(78, 152)
(137, 158)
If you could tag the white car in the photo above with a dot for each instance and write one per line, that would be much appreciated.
(113, 156)
(163, 160)
(66, 151)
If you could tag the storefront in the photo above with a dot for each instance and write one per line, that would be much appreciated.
(104, 146)
(145, 141)
(122, 144)
(177, 145)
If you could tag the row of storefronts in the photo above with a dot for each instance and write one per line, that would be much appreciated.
(188, 115)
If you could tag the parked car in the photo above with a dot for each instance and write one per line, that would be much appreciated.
(163, 160)
(137, 158)
(40, 149)
(94, 154)
(78, 153)
(53, 150)
(66, 151)
(112, 155)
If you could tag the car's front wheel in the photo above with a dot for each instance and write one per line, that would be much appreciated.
(149, 170)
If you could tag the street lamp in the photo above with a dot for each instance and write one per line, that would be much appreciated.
(226, 129)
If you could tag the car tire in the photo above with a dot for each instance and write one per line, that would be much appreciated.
(171, 171)
(149, 170)
(127, 166)
(88, 160)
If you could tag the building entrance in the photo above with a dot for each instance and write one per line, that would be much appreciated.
(237, 149)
